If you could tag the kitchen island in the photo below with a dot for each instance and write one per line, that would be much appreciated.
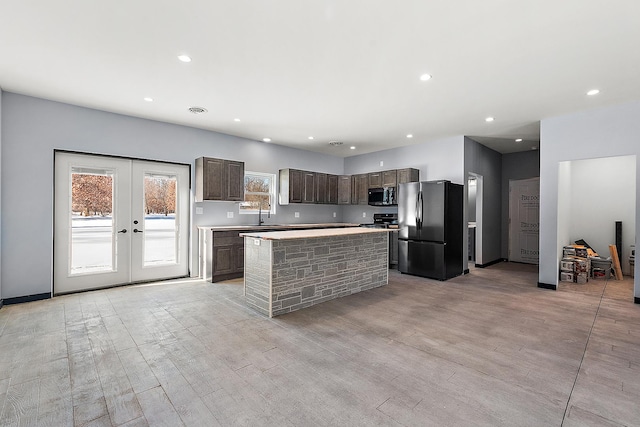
(222, 249)
(285, 271)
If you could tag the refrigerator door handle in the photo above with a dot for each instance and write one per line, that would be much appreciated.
(417, 211)
(421, 207)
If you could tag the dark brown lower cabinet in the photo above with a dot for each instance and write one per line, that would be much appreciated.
(227, 258)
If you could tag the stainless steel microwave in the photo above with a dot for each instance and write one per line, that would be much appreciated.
(384, 196)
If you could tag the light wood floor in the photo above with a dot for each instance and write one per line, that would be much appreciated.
(489, 348)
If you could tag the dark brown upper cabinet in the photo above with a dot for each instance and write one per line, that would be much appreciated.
(321, 187)
(297, 186)
(408, 175)
(375, 179)
(332, 189)
(309, 190)
(344, 190)
(389, 178)
(360, 189)
(219, 179)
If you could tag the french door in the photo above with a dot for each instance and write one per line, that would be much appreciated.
(118, 221)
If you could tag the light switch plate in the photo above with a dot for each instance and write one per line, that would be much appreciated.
(364, 214)
(229, 214)
(381, 163)
(297, 214)
(199, 210)
(334, 214)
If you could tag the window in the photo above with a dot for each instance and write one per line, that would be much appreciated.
(259, 192)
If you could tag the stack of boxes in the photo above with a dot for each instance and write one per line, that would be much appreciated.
(575, 264)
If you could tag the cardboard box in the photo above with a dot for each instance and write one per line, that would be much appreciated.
(567, 264)
(566, 276)
(581, 278)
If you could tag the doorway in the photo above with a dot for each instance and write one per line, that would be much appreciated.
(118, 221)
(475, 195)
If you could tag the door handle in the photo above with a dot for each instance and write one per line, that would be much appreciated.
(135, 230)
(124, 230)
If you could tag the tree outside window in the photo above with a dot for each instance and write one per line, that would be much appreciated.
(259, 193)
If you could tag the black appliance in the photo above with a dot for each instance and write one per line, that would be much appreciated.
(382, 220)
(431, 229)
(384, 196)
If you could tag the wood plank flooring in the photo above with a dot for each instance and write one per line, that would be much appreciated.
(488, 348)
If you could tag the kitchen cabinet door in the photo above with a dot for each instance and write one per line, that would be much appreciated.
(375, 180)
(408, 175)
(344, 190)
(389, 178)
(360, 189)
(219, 179)
(332, 189)
(234, 176)
(309, 187)
(321, 187)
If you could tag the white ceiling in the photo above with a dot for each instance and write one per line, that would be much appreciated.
(335, 70)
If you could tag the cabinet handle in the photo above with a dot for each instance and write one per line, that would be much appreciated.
(124, 230)
(135, 230)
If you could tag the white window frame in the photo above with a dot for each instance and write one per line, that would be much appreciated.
(272, 193)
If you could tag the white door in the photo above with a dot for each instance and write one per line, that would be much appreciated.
(524, 220)
(118, 221)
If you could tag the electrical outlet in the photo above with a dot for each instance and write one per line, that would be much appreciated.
(229, 214)
(256, 242)
(199, 210)
(334, 214)
(364, 214)
(297, 214)
(381, 163)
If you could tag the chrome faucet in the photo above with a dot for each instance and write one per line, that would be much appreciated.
(260, 220)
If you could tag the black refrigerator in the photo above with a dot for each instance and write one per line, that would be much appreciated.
(430, 217)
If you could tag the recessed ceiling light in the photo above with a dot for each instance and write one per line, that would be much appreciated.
(266, 139)
(593, 92)
(236, 120)
(310, 138)
(146, 98)
(489, 119)
(353, 147)
(519, 140)
(409, 136)
(184, 58)
(425, 77)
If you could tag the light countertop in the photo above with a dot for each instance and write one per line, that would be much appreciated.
(314, 233)
(268, 226)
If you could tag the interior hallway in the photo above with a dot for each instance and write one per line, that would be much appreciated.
(488, 348)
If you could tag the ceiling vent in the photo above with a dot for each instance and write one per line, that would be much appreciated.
(197, 110)
(335, 143)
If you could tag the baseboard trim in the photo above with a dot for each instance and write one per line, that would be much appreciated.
(466, 271)
(635, 300)
(1, 303)
(27, 298)
(547, 286)
(488, 264)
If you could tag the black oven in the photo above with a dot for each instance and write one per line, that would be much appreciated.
(384, 196)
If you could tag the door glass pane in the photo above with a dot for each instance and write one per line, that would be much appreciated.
(160, 231)
(92, 235)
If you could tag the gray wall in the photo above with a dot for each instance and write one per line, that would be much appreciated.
(483, 161)
(439, 159)
(33, 128)
(523, 165)
(604, 132)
